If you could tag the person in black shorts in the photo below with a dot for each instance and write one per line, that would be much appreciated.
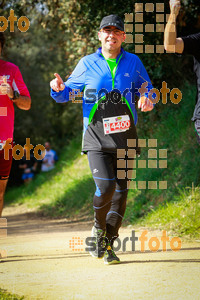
(184, 45)
(109, 79)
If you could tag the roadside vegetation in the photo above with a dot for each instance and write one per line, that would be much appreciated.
(62, 32)
(4, 295)
(67, 190)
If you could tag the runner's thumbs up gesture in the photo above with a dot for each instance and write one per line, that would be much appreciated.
(5, 88)
(175, 6)
(57, 83)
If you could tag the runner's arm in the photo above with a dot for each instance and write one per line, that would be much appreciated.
(24, 100)
(60, 91)
(171, 42)
(143, 86)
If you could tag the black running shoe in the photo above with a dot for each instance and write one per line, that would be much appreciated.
(110, 257)
(99, 241)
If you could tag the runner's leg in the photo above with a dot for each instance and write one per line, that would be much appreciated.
(117, 210)
(5, 166)
(102, 168)
(3, 184)
(118, 204)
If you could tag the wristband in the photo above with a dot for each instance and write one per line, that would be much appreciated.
(15, 95)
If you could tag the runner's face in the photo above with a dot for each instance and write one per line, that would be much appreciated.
(111, 38)
(47, 146)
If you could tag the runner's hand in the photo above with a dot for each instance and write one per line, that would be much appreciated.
(6, 89)
(175, 6)
(145, 104)
(57, 83)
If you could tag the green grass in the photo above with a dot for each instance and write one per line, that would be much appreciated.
(175, 132)
(67, 191)
(180, 217)
(4, 295)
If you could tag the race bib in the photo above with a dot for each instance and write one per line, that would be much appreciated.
(116, 124)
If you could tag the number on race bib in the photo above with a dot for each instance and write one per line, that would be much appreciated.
(113, 125)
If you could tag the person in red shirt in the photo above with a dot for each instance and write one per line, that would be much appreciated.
(12, 90)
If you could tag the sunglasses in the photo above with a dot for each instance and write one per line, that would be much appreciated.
(115, 31)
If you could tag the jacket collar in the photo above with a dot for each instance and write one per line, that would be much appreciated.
(122, 52)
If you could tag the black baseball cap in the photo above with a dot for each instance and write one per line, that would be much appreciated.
(112, 20)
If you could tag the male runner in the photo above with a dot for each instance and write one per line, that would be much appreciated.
(12, 90)
(184, 45)
(109, 79)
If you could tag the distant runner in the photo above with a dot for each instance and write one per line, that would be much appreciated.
(12, 90)
(185, 45)
(109, 80)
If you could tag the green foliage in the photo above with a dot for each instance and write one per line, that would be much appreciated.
(4, 295)
(175, 132)
(65, 191)
(68, 190)
(60, 33)
(180, 216)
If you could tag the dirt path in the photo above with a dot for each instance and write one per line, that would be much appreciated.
(41, 265)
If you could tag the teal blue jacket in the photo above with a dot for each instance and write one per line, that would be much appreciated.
(93, 77)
